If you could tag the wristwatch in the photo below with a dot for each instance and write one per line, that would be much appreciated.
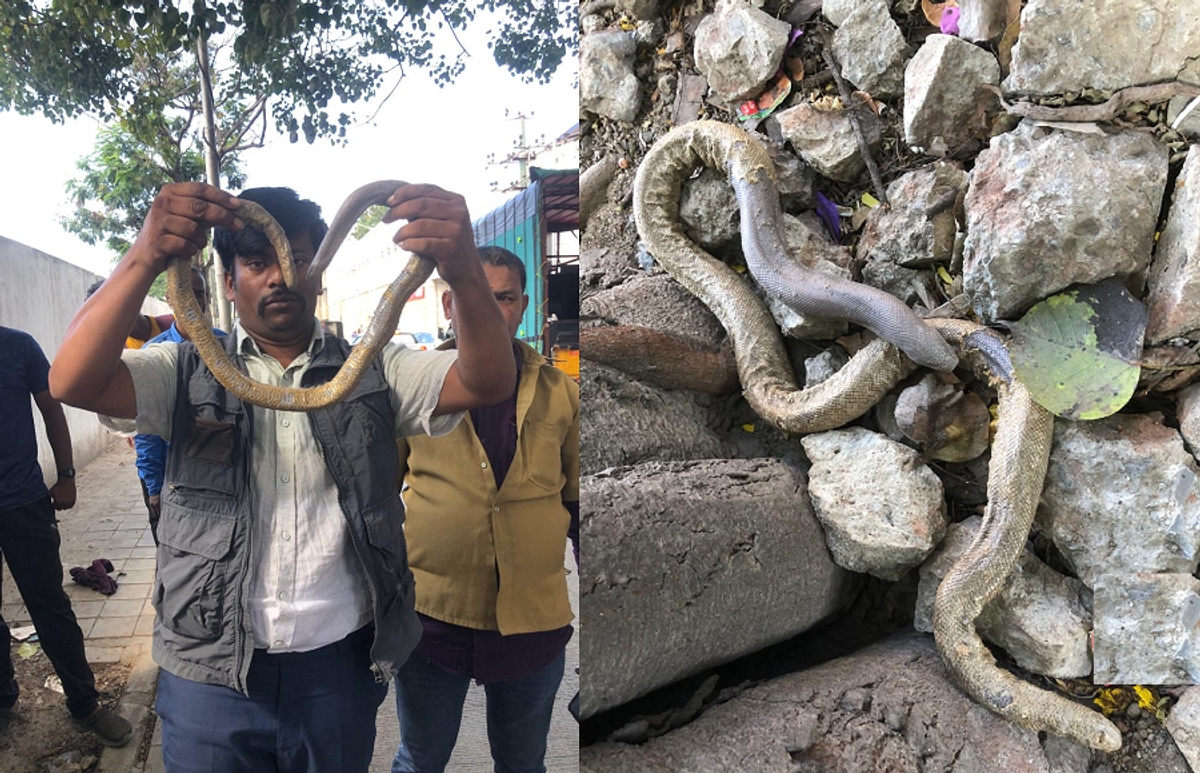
(67, 473)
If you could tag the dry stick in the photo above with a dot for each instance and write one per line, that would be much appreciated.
(1107, 111)
(844, 90)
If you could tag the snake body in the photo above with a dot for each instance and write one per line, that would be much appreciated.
(378, 332)
(763, 367)
(1020, 452)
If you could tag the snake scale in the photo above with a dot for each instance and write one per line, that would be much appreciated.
(194, 322)
(1020, 451)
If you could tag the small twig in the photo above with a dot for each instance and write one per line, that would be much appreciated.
(1106, 111)
(844, 90)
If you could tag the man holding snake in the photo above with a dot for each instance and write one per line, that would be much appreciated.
(284, 599)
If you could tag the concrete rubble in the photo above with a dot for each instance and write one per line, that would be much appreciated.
(881, 515)
(1041, 618)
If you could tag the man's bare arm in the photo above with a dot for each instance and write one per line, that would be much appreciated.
(87, 372)
(439, 227)
(62, 494)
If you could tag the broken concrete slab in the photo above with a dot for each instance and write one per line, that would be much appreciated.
(693, 564)
(738, 48)
(1173, 293)
(945, 104)
(1145, 629)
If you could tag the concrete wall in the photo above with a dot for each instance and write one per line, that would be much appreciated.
(39, 294)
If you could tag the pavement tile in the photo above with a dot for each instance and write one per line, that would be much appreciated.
(87, 608)
(107, 627)
(143, 552)
(133, 564)
(98, 654)
(123, 608)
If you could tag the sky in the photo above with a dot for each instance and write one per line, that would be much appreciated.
(422, 134)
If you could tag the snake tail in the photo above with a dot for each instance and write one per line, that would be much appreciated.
(1020, 456)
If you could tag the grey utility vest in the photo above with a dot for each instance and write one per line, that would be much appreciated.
(202, 628)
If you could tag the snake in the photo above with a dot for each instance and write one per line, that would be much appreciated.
(1020, 450)
(194, 322)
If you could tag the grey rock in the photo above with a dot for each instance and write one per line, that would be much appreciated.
(795, 723)
(602, 268)
(689, 98)
(819, 368)
(908, 284)
(709, 211)
(1069, 46)
(837, 11)
(882, 515)
(871, 50)
(738, 48)
(638, 9)
(657, 302)
(1039, 616)
(1190, 126)
(795, 179)
(607, 84)
(627, 422)
(905, 234)
(1173, 297)
(1187, 407)
(944, 102)
(1049, 208)
(825, 139)
(1183, 723)
(1121, 497)
(981, 19)
(694, 564)
(1146, 629)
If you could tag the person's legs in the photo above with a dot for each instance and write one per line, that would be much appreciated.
(29, 542)
(207, 727)
(8, 675)
(518, 718)
(328, 704)
(307, 712)
(152, 513)
(429, 705)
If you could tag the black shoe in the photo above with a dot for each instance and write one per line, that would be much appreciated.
(111, 728)
(9, 714)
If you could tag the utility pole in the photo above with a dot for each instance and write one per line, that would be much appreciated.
(520, 155)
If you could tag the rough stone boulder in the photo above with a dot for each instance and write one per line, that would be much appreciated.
(1049, 208)
(944, 102)
(871, 49)
(690, 565)
(738, 48)
(882, 514)
(607, 84)
(1173, 299)
(825, 139)
(1069, 46)
(1146, 629)
(889, 707)
(1121, 497)
(1039, 617)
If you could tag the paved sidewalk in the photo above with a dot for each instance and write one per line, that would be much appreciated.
(109, 521)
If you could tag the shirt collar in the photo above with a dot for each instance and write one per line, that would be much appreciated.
(247, 345)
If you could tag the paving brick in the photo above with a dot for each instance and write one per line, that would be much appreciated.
(107, 627)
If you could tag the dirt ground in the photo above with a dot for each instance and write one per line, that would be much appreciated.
(40, 739)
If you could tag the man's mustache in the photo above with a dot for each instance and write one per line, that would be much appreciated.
(280, 296)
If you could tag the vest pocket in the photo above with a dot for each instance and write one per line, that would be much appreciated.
(384, 521)
(193, 563)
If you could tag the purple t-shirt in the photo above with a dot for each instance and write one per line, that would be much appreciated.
(25, 372)
(487, 656)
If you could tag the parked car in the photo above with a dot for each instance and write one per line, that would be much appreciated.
(418, 341)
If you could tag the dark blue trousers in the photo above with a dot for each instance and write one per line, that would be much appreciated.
(29, 542)
(307, 711)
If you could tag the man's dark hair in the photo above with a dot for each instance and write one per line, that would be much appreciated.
(294, 214)
(502, 258)
(92, 290)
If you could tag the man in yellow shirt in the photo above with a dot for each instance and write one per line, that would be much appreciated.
(489, 509)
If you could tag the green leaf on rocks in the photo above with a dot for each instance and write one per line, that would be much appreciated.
(1078, 351)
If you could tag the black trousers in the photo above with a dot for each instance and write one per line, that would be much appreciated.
(29, 542)
(151, 514)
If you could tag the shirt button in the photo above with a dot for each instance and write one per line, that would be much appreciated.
(287, 423)
(286, 535)
(282, 595)
(279, 642)
(483, 464)
(284, 478)
(495, 509)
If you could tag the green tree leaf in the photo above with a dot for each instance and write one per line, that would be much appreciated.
(1078, 351)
